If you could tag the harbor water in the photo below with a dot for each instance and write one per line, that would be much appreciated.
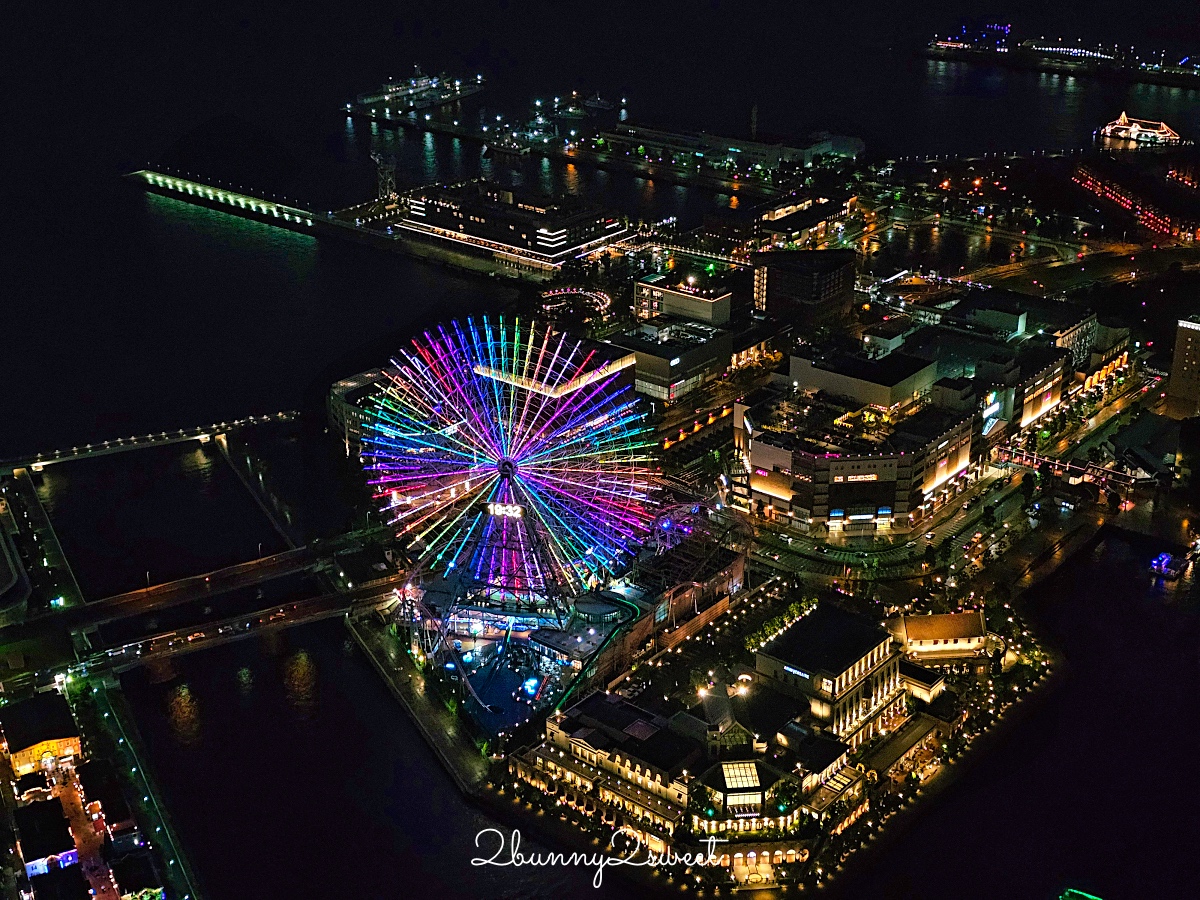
(288, 768)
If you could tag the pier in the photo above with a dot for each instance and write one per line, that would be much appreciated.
(203, 434)
(572, 153)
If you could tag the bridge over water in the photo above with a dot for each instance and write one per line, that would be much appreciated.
(203, 434)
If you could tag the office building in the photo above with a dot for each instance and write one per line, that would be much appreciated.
(805, 288)
(1183, 390)
(698, 299)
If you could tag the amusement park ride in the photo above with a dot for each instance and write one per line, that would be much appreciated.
(515, 462)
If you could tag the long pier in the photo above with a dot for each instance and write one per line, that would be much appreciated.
(303, 221)
(203, 434)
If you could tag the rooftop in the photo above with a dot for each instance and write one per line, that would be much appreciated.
(518, 200)
(764, 710)
(806, 261)
(609, 721)
(43, 717)
(703, 287)
(43, 830)
(919, 674)
(829, 639)
(61, 884)
(900, 742)
(888, 371)
(805, 218)
(889, 328)
(1041, 312)
(926, 425)
(666, 336)
(99, 783)
(813, 750)
(945, 626)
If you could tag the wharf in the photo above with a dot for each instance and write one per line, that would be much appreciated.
(313, 224)
(1035, 61)
(442, 731)
(555, 150)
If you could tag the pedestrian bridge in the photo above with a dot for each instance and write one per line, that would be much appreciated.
(203, 434)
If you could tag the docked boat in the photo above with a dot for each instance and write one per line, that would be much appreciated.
(597, 103)
(510, 147)
(1168, 566)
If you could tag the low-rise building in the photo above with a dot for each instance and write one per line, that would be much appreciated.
(892, 382)
(921, 683)
(674, 356)
(811, 225)
(523, 227)
(61, 884)
(39, 732)
(941, 637)
(844, 665)
(686, 297)
(44, 838)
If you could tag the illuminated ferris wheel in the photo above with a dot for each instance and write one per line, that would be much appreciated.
(515, 460)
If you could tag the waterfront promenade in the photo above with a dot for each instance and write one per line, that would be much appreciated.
(442, 730)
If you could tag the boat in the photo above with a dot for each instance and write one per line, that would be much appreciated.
(1141, 131)
(509, 146)
(595, 102)
(571, 112)
(1167, 566)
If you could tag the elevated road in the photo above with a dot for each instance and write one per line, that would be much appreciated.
(160, 647)
(198, 587)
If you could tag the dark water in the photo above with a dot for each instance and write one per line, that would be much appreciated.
(130, 313)
(290, 771)
(1088, 790)
(171, 511)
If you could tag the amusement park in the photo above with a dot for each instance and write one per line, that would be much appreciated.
(515, 462)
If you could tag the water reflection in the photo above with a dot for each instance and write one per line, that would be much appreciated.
(183, 713)
(300, 683)
(245, 681)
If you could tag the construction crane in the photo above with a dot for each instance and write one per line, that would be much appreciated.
(385, 169)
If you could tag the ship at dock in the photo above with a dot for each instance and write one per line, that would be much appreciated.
(596, 102)
(1169, 566)
(417, 92)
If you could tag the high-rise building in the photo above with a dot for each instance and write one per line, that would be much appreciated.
(1183, 391)
(805, 288)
